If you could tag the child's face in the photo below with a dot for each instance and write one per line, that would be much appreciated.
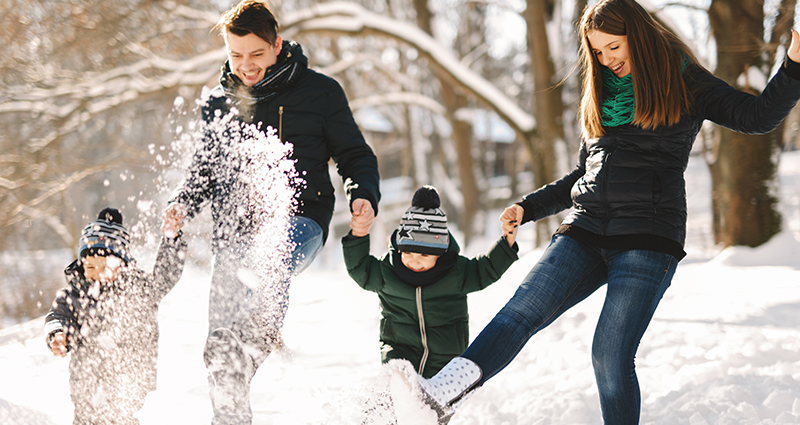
(101, 269)
(418, 262)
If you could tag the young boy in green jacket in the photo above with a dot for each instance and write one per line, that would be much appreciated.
(423, 282)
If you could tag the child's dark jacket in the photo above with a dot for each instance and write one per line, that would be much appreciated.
(427, 325)
(112, 331)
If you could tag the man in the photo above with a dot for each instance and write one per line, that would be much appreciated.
(266, 81)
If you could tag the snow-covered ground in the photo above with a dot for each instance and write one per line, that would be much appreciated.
(723, 347)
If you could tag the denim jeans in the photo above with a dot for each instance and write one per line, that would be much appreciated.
(306, 235)
(568, 273)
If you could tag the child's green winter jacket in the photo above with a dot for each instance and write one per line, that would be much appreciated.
(425, 322)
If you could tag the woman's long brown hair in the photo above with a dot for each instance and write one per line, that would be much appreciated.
(656, 60)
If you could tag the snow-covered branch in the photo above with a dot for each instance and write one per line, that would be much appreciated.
(76, 102)
(403, 97)
(16, 211)
(351, 18)
(341, 65)
(8, 184)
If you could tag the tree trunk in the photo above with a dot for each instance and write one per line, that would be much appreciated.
(548, 106)
(744, 210)
(462, 139)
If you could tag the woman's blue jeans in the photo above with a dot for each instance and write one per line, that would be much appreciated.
(568, 273)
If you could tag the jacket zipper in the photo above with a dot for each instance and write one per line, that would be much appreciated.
(422, 331)
(280, 123)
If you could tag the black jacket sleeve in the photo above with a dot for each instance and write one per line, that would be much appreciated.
(556, 196)
(744, 112)
(62, 316)
(355, 160)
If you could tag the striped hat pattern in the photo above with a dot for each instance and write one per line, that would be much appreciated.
(106, 236)
(423, 227)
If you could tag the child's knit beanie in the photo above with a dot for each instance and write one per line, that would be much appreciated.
(106, 236)
(423, 228)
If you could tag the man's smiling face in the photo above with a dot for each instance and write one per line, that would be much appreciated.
(250, 56)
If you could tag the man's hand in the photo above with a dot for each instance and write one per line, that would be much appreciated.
(510, 220)
(363, 217)
(173, 217)
(58, 345)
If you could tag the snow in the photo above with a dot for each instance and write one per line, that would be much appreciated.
(723, 347)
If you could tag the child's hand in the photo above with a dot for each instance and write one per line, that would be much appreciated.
(363, 216)
(510, 219)
(173, 219)
(58, 345)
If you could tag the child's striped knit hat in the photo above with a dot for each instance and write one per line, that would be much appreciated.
(423, 228)
(106, 236)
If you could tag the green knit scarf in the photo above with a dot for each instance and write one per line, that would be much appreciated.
(618, 102)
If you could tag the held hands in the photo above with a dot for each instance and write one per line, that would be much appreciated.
(510, 221)
(363, 217)
(173, 217)
(793, 52)
(58, 345)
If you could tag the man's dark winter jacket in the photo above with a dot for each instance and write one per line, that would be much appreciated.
(631, 181)
(308, 110)
(426, 325)
(112, 330)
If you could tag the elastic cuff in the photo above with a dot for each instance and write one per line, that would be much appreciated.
(792, 68)
(53, 326)
(350, 237)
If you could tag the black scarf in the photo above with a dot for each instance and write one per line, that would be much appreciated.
(278, 78)
(443, 266)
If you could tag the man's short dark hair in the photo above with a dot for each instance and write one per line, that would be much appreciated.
(249, 17)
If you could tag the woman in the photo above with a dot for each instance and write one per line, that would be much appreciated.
(645, 98)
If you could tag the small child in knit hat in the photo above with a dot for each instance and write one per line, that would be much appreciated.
(107, 320)
(422, 282)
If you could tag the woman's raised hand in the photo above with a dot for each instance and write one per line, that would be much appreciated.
(794, 47)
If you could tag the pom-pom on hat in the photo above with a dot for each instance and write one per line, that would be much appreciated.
(423, 228)
(105, 236)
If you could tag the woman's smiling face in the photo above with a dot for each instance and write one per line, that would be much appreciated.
(611, 51)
